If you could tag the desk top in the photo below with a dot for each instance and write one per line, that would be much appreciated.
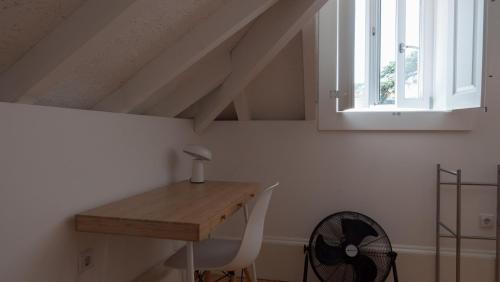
(180, 211)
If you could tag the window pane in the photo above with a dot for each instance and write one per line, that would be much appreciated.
(412, 54)
(360, 57)
(387, 94)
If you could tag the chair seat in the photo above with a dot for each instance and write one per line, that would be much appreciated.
(211, 254)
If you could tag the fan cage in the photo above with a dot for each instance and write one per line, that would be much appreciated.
(378, 248)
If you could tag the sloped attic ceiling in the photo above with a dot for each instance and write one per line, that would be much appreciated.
(23, 23)
(277, 93)
(161, 57)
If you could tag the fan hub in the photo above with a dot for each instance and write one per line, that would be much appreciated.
(351, 251)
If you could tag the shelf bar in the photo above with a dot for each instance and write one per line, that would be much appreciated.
(479, 238)
(438, 231)
(497, 259)
(492, 185)
(448, 229)
(459, 225)
(458, 235)
(448, 171)
(469, 237)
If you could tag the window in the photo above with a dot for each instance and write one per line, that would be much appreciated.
(401, 55)
(391, 74)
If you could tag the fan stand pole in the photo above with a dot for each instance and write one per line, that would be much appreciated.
(306, 264)
(393, 265)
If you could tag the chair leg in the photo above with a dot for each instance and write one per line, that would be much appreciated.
(253, 272)
(207, 276)
(248, 276)
(198, 276)
(232, 276)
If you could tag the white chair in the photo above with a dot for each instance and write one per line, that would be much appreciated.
(230, 255)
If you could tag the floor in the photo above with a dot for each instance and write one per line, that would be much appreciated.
(238, 280)
(260, 280)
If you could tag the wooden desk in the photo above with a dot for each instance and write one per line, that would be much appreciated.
(180, 211)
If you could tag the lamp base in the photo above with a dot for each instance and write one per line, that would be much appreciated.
(198, 172)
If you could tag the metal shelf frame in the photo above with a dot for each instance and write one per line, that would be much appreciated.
(457, 234)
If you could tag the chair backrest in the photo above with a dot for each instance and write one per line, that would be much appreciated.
(254, 232)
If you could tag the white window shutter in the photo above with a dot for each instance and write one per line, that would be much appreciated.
(466, 59)
(346, 39)
(336, 56)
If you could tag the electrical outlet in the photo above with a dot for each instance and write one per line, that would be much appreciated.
(486, 220)
(86, 260)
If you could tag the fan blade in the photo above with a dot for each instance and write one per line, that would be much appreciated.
(326, 254)
(356, 230)
(365, 269)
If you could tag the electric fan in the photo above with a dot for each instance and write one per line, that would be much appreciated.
(350, 246)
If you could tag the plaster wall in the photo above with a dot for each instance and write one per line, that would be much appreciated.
(57, 162)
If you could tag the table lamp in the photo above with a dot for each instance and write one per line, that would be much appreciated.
(199, 154)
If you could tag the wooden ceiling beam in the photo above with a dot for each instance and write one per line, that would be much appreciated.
(270, 33)
(135, 95)
(203, 78)
(242, 108)
(309, 60)
(32, 76)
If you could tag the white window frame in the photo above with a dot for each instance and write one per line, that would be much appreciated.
(331, 119)
(425, 57)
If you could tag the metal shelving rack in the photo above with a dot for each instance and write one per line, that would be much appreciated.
(457, 234)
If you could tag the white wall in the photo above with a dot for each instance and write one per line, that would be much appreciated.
(284, 98)
(388, 175)
(55, 163)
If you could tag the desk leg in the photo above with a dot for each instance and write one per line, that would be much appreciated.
(190, 262)
(254, 270)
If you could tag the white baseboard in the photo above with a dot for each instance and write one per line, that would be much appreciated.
(399, 248)
(282, 258)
